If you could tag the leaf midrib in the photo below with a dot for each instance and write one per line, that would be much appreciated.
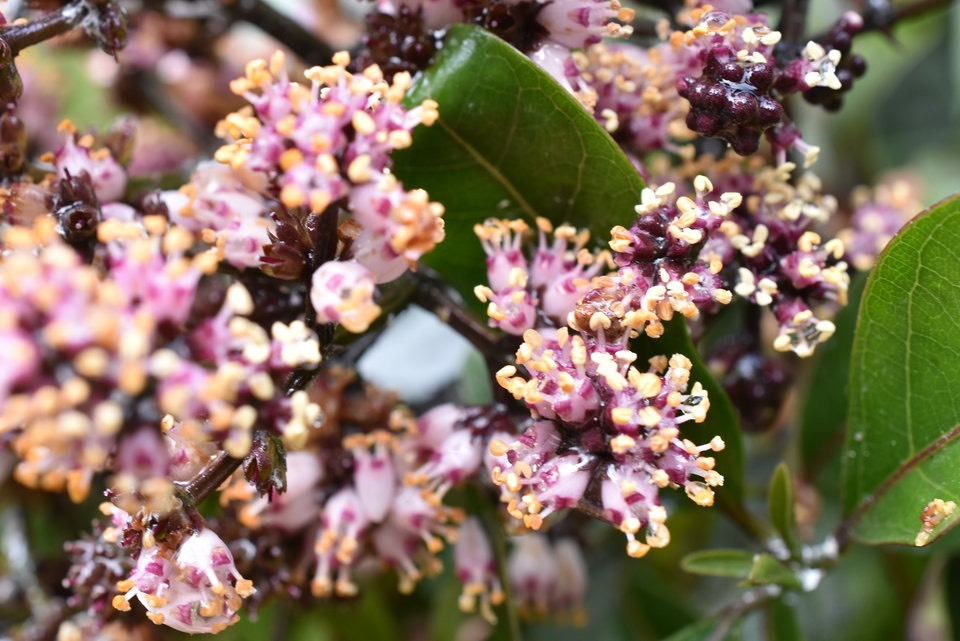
(490, 168)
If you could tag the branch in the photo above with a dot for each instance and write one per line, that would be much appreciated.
(20, 36)
(749, 600)
(881, 15)
(287, 31)
(209, 478)
(793, 25)
(434, 297)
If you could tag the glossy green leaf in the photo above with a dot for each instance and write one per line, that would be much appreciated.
(781, 506)
(510, 142)
(721, 418)
(767, 570)
(735, 564)
(901, 448)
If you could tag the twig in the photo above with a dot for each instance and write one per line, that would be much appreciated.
(434, 297)
(292, 34)
(749, 600)
(209, 478)
(20, 36)
(882, 16)
(793, 25)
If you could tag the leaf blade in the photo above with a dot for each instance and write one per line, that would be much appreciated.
(734, 564)
(509, 142)
(781, 508)
(767, 570)
(900, 451)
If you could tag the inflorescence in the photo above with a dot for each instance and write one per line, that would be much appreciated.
(160, 347)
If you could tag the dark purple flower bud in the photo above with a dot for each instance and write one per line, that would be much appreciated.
(742, 107)
(731, 72)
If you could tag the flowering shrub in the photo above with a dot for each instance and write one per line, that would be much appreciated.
(601, 198)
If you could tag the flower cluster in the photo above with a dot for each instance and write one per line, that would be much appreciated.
(599, 421)
(528, 291)
(371, 486)
(732, 99)
(633, 94)
(404, 35)
(877, 215)
(768, 245)
(224, 207)
(101, 352)
(606, 422)
(741, 88)
(665, 266)
(326, 147)
(545, 577)
(719, 78)
(781, 262)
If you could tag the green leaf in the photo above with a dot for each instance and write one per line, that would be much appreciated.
(706, 630)
(782, 508)
(825, 405)
(721, 419)
(784, 622)
(735, 564)
(901, 448)
(510, 142)
(767, 570)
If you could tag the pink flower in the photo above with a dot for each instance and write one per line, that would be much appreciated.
(75, 157)
(374, 475)
(579, 23)
(199, 590)
(342, 292)
(228, 202)
(399, 226)
(551, 281)
(342, 524)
